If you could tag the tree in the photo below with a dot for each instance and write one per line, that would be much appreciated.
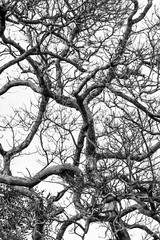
(79, 89)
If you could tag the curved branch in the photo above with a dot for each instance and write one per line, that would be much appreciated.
(33, 130)
(27, 83)
(143, 14)
(66, 224)
(61, 99)
(40, 176)
(144, 228)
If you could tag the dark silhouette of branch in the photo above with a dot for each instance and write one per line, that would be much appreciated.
(3, 12)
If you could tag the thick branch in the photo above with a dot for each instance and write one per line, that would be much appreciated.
(37, 233)
(84, 82)
(119, 230)
(21, 50)
(143, 14)
(144, 228)
(18, 59)
(17, 83)
(40, 176)
(129, 210)
(61, 99)
(80, 144)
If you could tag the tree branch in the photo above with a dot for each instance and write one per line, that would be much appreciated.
(40, 176)
(33, 130)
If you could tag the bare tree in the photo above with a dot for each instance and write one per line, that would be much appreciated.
(79, 89)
